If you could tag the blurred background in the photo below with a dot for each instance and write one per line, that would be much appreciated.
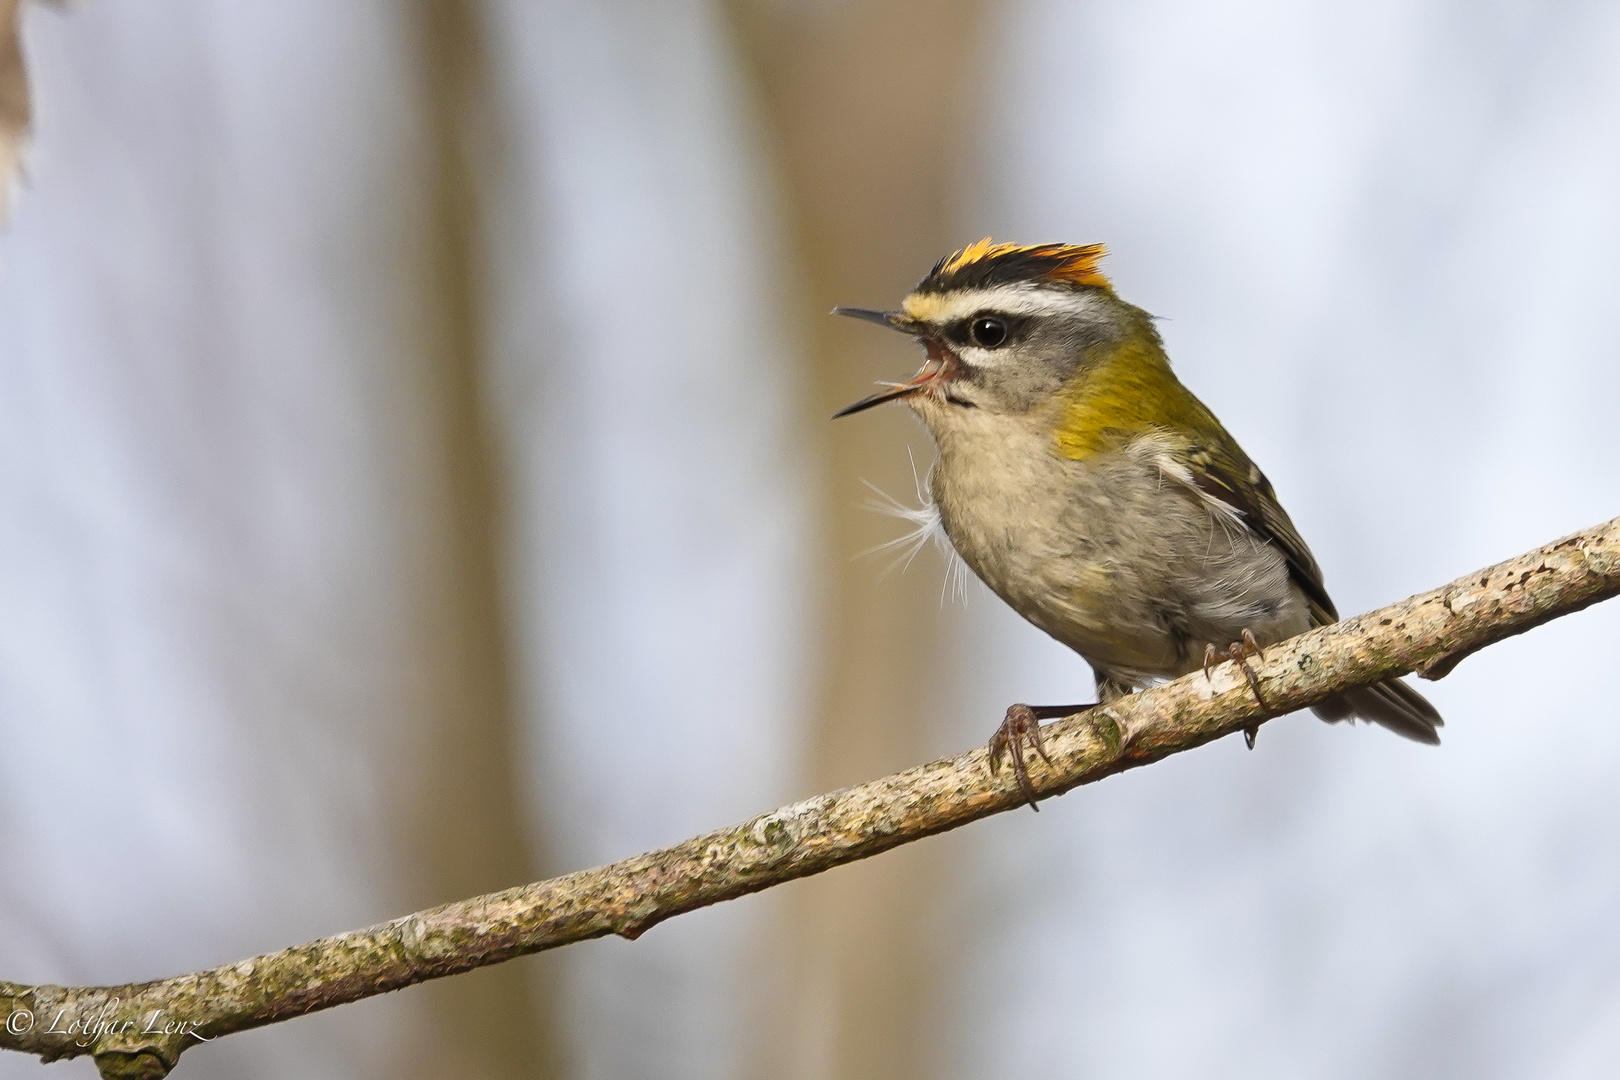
(415, 479)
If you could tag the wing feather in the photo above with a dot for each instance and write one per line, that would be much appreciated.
(1225, 475)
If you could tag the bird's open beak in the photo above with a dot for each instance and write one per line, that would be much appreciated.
(894, 320)
(930, 371)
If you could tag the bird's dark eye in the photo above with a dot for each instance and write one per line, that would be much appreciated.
(987, 333)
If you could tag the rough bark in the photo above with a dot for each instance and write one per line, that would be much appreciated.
(141, 1029)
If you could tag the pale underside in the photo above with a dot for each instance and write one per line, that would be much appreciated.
(1118, 556)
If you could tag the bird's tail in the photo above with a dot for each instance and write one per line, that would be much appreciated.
(1393, 704)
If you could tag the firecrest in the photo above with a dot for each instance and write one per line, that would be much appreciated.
(1090, 490)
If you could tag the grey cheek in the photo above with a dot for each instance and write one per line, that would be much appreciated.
(977, 384)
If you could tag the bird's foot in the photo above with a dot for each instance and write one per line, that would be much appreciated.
(1022, 728)
(1239, 652)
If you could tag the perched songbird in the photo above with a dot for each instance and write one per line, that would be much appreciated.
(1094, 493)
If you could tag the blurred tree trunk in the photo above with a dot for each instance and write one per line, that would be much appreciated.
(465, 818)
(13, 97)
(869, 108)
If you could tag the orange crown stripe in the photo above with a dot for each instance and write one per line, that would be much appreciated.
(1072, 264)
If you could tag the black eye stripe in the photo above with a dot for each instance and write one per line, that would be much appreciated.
(987, 332)
(985, 329)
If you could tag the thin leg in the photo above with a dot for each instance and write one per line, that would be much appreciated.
(1240, 656)
(1021, 729)
(1251, 644)
(1239, 652)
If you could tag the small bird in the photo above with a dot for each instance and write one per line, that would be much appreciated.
(1090, 490)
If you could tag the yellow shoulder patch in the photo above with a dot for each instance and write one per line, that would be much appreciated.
(1131, 393)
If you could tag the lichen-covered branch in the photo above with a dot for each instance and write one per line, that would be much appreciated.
(141, 1029)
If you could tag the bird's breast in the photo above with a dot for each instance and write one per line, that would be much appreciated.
(1105, 554)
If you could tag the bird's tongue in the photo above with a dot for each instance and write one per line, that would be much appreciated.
(940, 364)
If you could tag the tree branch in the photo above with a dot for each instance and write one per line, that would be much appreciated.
(141, 1029)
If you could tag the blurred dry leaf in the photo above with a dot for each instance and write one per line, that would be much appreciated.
(13, 99)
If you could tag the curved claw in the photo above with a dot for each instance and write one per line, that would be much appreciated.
(1252, 645)
(1239, 652)
(1241, 659)
(1021, 728)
